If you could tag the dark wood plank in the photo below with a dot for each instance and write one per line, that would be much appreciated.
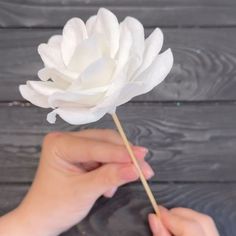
(126, 213)
(190, 142)
(33, 13)
(204, 67)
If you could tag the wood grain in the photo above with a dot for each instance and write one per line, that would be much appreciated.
(53, 13)
(204, 67)
(187, 142)
(126, 213)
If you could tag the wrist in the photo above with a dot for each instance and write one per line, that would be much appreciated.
(17, 222)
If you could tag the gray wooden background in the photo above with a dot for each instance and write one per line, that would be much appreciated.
(188, 122)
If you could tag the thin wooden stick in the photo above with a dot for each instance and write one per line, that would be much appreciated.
(135, 162)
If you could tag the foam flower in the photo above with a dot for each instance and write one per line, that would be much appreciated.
(96, 66)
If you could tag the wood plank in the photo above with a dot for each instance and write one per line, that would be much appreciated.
(204, 67)
(126, 213)
(187, 142)
(54, 13)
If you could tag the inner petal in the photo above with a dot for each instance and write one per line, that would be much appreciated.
(98, 73)
(86, 53)
(74, 32)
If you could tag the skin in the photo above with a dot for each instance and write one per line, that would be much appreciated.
(182, 222)
(75, 169)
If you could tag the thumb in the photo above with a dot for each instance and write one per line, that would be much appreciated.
(113, 175)
(178, 225)
(156, 226)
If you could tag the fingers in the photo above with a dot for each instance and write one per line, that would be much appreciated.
(110, 176)
(156, 226)
(205, 221)
(110, 193)
(76, 149)
(179, 225)
(182, 222)
(148, 173)
(106, 135)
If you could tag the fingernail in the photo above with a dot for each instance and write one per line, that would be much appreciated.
(147, 170)
(142, 150)
(150, 172)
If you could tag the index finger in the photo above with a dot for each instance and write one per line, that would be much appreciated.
(179, 225)
(206, 221)
(75, 149)
(106, 135)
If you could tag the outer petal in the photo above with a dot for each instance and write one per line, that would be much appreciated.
(150, 78)
(136, 51)
(51, 55)
(153, 45)
(90, 24)
(46, 88)
(123, 53)
(107, 24)
(51, 73)
(74, 32)
(55, 41)
(83, 98)
(75, 116)
(29, 94)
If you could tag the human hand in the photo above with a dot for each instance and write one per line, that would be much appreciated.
(182, 222)
(75, 169)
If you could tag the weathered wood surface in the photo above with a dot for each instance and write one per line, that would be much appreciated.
(192, 143)
(53, 13)
(204, 66)
(187, 142)
(126, 213)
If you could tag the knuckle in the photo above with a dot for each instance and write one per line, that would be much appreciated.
(176, 210)
(194, 225)
(121, 153)
(50, 138)
(111, 133)
(107, 176)
(53, 143)
(208, 220)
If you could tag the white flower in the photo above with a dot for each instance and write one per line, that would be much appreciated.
(92, 68)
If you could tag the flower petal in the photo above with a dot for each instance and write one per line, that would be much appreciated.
(148, 79)
(74, 32)
(153, 45)
(51, 55)
(85, 54)
(75, 116)
(83, 98)
(51, 73)
(90, 24)
(112, 95)
(136, 52)
(55, 40)
(122, 55)
(99, 73)
(45, 88)
(106, 24)
(29, 94)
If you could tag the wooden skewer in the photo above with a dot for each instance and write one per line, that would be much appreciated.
(135, 162)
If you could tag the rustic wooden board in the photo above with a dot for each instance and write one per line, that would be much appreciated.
(126, 213)
(187, 142)
(204, 67)
(54, 13)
